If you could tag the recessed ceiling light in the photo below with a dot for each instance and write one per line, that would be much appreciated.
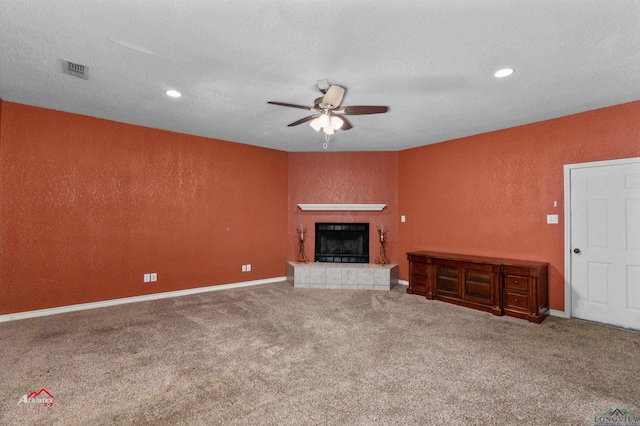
(173, 93)
(505, 72)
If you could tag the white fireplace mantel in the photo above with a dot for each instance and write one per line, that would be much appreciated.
(342, 207)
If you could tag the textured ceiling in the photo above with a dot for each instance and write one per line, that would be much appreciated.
(430, 62)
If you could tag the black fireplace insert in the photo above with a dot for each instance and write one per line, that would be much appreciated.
(342, 242)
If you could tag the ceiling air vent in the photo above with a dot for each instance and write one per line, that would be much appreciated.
(75, 70)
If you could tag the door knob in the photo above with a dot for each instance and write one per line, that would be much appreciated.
(576, 251)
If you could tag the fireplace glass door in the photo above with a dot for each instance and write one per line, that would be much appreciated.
(342, 242)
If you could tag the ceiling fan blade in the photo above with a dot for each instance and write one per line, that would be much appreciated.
(302, 120)
(361, 110)
(346, 124)
(292, 105)
(333, 97)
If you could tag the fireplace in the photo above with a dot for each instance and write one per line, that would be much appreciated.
(342, 242)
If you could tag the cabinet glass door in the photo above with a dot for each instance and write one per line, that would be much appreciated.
(477, 285)
(447, 279)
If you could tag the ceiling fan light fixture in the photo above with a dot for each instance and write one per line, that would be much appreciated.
(327, 115)
(336, 122)
(315, 124)
(324, 120)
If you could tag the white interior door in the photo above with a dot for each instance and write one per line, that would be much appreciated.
(605, 243)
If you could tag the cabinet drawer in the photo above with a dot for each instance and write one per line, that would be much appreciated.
(517, 301)
(419, 283)
(420, 268)
(516, 281)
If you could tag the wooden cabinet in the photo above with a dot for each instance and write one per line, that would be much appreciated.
(526, 290)
(418, 271)
(467, 283)
(500, 286)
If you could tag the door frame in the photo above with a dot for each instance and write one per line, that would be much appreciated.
(567, 220)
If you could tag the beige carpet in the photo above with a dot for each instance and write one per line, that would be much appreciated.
(275, 355)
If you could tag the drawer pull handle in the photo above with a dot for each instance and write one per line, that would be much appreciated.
(517, 300)
(517, 282)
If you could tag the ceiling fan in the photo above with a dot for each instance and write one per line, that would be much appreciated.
(327, 113)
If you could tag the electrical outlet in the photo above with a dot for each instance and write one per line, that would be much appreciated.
(154, 277)
(249, 267)
(403, 218)
(244, 268)
(147, 278)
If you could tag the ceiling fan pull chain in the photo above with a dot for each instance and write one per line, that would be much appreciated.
(327, 139)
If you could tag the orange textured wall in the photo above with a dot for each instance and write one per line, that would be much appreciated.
(344, 178)
(87, 206)
(490, 194)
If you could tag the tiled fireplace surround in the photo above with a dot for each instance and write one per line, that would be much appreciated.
(353, 276)
(342, 276)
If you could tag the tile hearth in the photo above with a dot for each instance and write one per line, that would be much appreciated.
(352, 276)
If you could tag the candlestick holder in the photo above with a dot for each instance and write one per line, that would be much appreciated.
(382, 236)
(301, 232)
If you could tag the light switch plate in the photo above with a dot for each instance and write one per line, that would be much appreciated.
(552, 218)
(154, 277)
(147, 278)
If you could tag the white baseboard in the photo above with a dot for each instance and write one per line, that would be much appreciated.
(555, 313)
(403, 282)
(133, 299)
